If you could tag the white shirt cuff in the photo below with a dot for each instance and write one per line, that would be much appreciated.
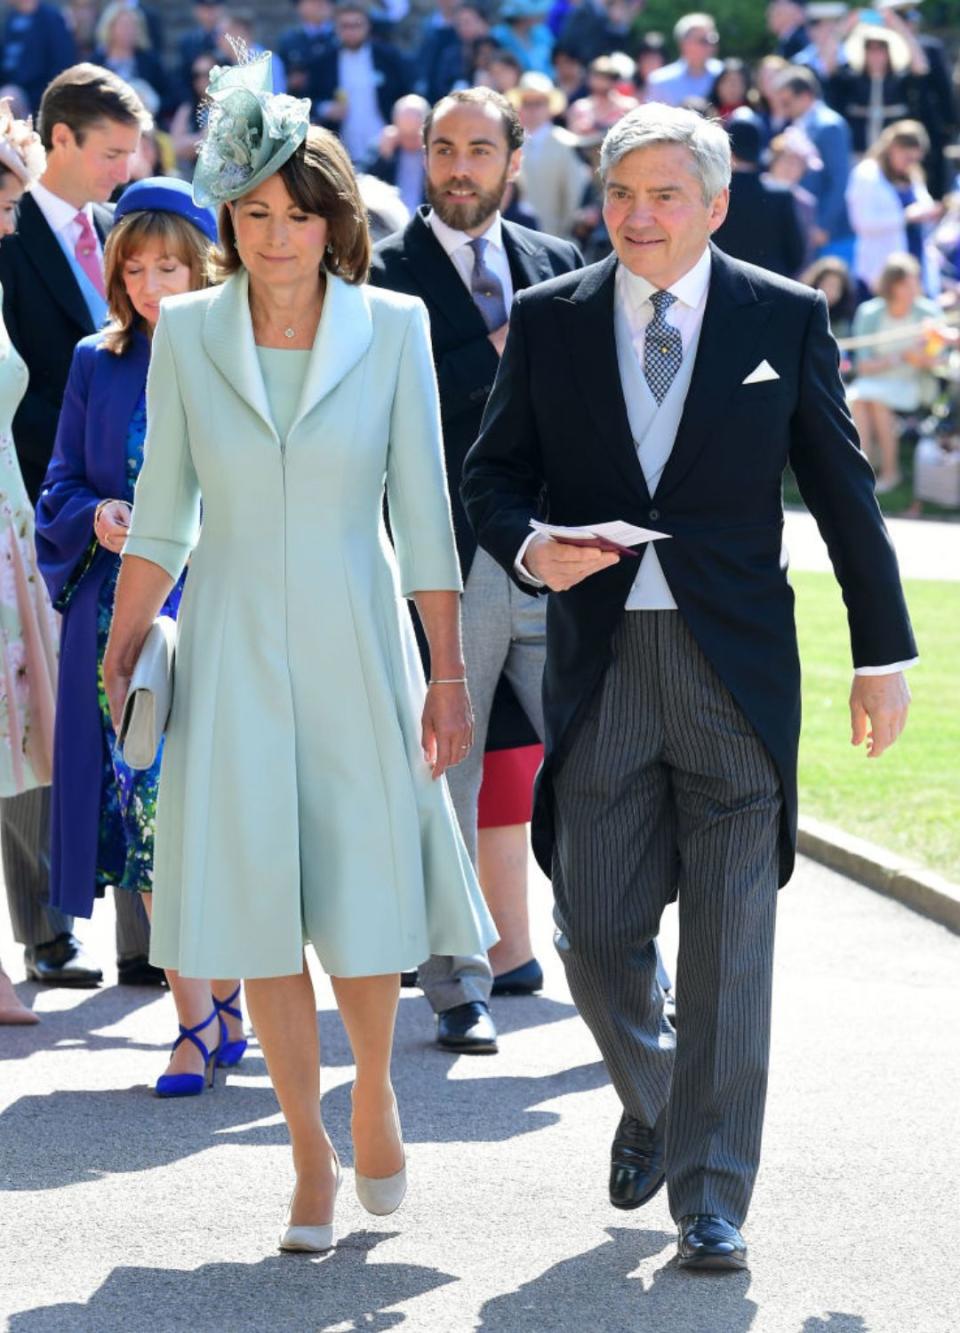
(520, 569)
(886, 670)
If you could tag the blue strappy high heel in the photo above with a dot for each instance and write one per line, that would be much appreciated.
(191, 1085)
(230, 1052)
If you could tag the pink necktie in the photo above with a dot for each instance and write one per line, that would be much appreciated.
(86, 252)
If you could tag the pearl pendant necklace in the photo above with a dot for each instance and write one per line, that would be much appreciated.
(289, 333)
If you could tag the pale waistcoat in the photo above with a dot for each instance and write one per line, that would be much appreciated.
(654, 430)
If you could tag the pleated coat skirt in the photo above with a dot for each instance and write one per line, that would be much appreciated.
(295, 803)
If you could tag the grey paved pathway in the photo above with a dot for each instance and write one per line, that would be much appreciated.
(926, 549)
(120, 1212)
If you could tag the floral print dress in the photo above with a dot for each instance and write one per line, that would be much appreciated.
(28, 625)
(128, 809)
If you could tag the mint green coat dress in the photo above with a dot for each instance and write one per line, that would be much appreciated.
(295, 803)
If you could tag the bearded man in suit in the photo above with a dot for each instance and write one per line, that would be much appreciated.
(465, 262)
(670, 386)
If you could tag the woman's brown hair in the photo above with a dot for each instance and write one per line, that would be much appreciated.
(129, 236)
(319, 179)
(897, 267)
(901, 134)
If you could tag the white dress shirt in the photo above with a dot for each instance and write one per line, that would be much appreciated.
(457, 245)
(363, 123)
(60, 218)
(632, 299)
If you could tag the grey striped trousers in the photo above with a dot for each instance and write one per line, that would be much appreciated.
(25, 849)
(667, 788)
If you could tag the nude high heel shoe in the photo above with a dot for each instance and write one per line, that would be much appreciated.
(310, 1240)
(382, 1195)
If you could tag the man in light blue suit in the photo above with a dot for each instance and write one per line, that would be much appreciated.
(799, 96)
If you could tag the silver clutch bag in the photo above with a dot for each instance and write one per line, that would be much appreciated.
(146, 708)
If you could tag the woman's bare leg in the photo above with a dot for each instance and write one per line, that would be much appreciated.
(888, 444)
(502, 859)
(368, 1007)
(283, 1011)
(194, 1005)
(863, 420)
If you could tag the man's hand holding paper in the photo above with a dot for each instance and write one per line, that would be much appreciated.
(561, 557)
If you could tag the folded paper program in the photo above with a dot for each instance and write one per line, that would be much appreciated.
(613, 536)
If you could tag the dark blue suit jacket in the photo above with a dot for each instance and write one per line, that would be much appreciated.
(39, 53)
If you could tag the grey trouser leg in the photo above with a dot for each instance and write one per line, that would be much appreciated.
(504, 633)
(25, 842)
(666, 786)
(132, 928)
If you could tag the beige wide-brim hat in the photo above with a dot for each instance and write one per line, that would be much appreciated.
(540, 86)
(855, 46)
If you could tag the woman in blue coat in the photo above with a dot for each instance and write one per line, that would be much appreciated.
(103, 812)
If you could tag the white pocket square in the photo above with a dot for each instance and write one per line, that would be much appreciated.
(762, 373)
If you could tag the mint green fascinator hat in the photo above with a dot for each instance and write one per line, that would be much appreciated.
(250, 131)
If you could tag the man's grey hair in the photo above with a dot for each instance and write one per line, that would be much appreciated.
(656, 123)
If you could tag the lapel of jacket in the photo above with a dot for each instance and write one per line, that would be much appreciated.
(529, 262)
(343, 337)
(436, 279)
(228, 338)
(588, 319)
(733, 321)
(52, 266)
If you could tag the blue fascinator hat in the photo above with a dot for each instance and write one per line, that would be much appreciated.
(250, 130)
(166, 194)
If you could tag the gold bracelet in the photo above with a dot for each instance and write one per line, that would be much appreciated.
(450, 680)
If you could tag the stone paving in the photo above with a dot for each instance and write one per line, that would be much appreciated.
(122, 1212)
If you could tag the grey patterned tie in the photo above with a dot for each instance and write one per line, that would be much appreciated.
(662, 347)
(485, 288)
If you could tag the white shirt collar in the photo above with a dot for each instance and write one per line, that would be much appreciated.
(452, 240)
(58, 213)
(690, 290)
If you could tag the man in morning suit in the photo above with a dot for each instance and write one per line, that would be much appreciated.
(669, 386)
(465, 262)
(51, 271)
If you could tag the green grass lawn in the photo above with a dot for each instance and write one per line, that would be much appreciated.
(909, 799)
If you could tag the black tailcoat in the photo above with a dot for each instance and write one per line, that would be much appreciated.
(556, 439)
(46, 316)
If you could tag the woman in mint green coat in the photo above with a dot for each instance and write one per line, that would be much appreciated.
(301, 794)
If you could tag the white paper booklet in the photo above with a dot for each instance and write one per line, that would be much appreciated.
(616, 536)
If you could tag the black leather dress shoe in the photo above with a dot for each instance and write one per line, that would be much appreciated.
(140, 971)
(61, 962)
(468, 1029)
(636, 1162)
(710, 1242)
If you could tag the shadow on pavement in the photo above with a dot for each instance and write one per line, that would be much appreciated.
(288, 1291)
(57, 1139)
(835, 1322)
(78, 1026)
(595, 1291)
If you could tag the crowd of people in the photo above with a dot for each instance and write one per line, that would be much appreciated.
(852, 113)
(192, 297)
